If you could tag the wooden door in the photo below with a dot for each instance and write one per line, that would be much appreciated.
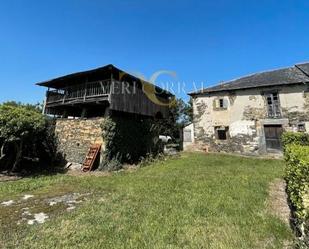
(273, 136)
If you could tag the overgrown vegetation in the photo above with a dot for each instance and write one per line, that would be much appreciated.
(196, 201)
(26, 137)
(297, 138)
(296, 152)
(128, 140)
(180, 114)
(131, 139)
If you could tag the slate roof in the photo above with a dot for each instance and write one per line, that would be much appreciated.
(304, 68)
(286, 76)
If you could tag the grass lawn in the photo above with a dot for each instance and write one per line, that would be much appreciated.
(195, 201)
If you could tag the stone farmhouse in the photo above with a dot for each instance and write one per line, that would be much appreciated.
(80, 101)
(249, 114)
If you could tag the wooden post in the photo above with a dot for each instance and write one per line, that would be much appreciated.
(84, 112)
(44, 102)
(64, 94)
(111, 90)
(85, 89)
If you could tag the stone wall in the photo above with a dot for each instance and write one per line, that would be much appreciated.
(76, 135)
(245, 115)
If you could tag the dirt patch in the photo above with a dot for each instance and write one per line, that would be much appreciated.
(278, 200)
(32, 209)
(278, 206)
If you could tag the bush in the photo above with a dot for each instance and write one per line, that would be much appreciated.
(128, 139)
(298, 138)
(296, 153)
(25, 136)
(297, 176)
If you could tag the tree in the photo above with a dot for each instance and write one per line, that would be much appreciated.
(180, 114)
(20, 127)
(188, 112)
(35, 107)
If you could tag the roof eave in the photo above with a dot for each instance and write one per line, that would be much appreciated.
(202, 92)
(48, 83)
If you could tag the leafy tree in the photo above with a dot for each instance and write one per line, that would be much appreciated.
(21, 130)
(35, 107)
(188, 112)
(180, 114)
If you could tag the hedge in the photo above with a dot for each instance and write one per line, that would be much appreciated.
(296, 153)
(299, 138)
(297, 177)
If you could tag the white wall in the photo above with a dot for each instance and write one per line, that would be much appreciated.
(246, 111)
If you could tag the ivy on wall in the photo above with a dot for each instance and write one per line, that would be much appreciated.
(128, 139)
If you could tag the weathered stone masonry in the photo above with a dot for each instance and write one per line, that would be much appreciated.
(76, 135)
(246, 115)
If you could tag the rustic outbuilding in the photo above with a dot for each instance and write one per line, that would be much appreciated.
(80, 101)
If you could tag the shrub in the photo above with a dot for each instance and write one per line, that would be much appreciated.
(297, 176)
(299, 138)
(25, 135)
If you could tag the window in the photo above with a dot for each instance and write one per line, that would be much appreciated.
(221, 103)
(221, 132)
(301, 128)
(273, 105)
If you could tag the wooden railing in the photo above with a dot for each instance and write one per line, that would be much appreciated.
(79, 92)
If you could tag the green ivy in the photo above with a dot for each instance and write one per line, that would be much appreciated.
(128, 139)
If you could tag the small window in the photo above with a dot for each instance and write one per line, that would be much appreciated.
(301, 128)
(221, 133)
(221, 103)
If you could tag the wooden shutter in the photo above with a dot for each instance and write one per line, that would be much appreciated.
(225, 103)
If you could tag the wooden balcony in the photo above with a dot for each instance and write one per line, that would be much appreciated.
(81, 93)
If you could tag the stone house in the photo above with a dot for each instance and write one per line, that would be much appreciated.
(249, 114)
(80, 101)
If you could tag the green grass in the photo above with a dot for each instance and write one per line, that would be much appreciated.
(196, 201)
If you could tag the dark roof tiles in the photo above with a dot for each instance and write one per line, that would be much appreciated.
(292, 75)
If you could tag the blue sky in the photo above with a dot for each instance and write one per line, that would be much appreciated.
(202, 41)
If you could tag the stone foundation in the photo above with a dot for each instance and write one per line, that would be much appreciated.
(75, 136)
